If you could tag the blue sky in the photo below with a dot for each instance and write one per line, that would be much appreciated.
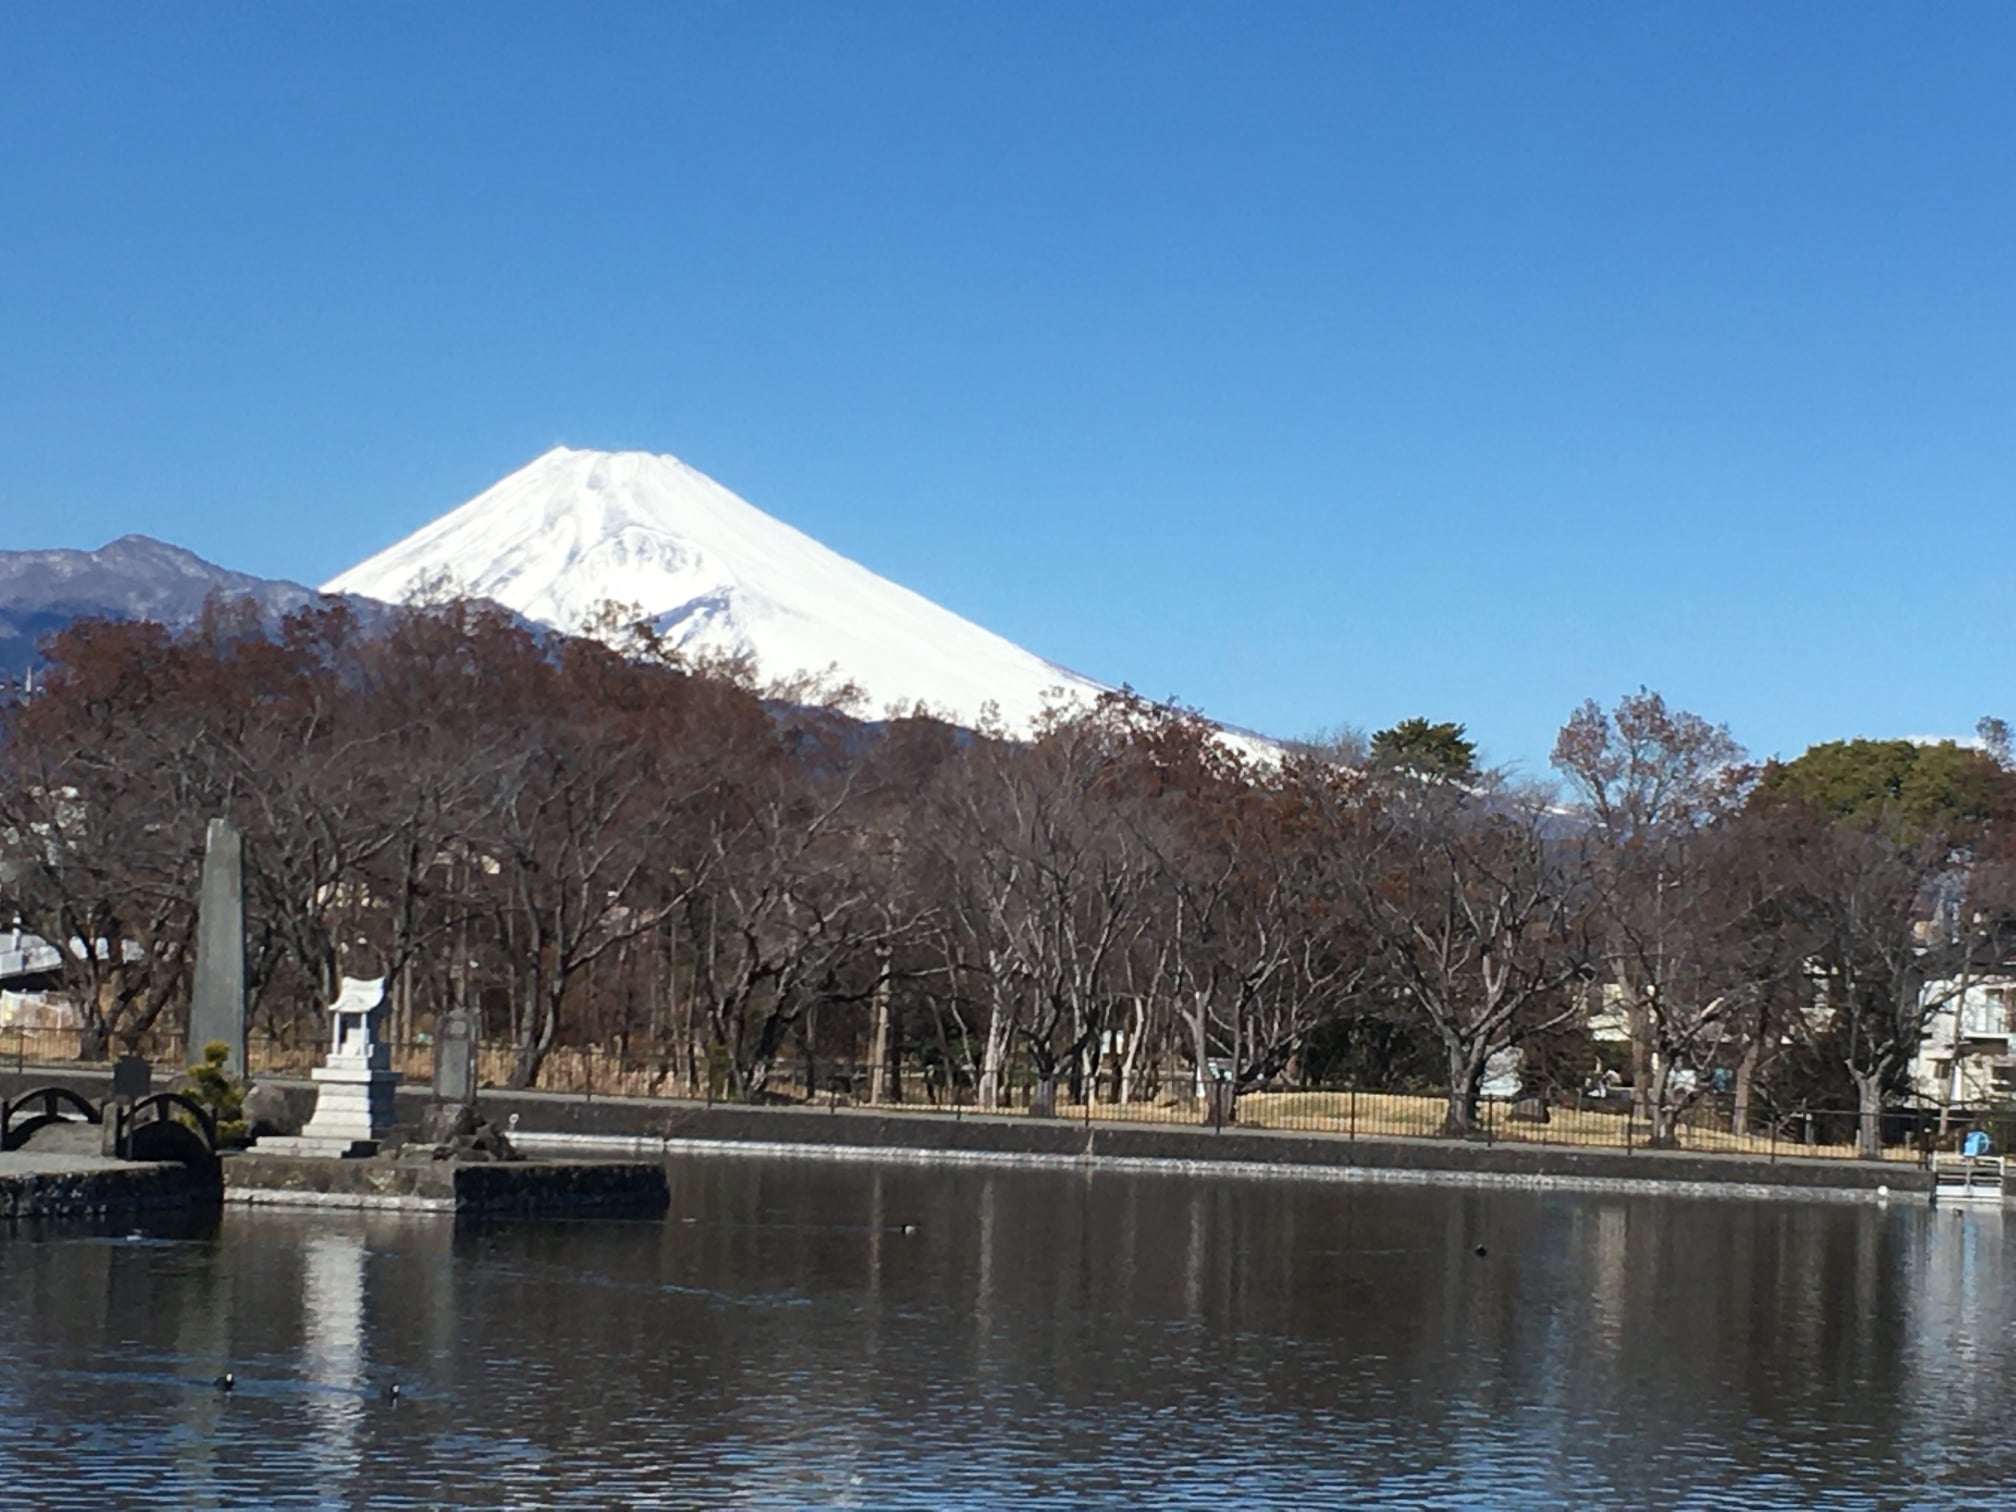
(1312, 363)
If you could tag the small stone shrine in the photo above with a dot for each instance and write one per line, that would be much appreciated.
(353, 1099)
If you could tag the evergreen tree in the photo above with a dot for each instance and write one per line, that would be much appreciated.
(1425, 749)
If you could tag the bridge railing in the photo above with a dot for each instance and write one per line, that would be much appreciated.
(161, 1107)
(38, 1108)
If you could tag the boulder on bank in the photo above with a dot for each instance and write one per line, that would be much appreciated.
(459, 1131)
(278, 1111)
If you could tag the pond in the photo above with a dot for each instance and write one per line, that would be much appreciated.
(827, 1335)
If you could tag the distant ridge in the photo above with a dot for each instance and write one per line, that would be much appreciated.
(132, 578)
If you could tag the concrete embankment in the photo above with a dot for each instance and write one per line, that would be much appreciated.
(526, 1188)
(864, 1135)
(90, 1186)
(649, 1128)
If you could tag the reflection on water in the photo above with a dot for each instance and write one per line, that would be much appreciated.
(808, 1335)
(332, 1312)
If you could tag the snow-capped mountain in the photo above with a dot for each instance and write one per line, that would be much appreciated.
(575, 531)
(133, 578)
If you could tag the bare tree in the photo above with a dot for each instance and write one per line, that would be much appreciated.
(1051, 879)
(1256, 925)
(1894, 922)
(1480, 921)
(594, 795)
(1653, 782)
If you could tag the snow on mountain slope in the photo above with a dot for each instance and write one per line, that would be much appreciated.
(575, 530)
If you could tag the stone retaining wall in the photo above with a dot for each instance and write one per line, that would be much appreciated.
(113, 1191)
(290, 1181)
(562, 1186)
(520, 1188)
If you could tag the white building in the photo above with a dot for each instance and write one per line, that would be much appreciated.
(1968, 1054)
(28, 968)
(26, 955)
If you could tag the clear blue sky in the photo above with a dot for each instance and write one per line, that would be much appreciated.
(1313, 363)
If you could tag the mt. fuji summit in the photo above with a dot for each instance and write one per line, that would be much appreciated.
(576, 530)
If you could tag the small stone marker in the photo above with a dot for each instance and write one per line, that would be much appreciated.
(1221, 1104)
(455, 1058)
(1221, 1091)
(217, 1012)
(132, 1078)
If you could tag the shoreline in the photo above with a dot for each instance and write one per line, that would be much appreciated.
(605, 1129)
(588, 1146)
(535, 1188)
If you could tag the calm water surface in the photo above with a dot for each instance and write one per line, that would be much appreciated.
(1041, 1339)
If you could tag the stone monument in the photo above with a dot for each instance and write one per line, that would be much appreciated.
(217, 1012)
(353, 1098)
(455, 1059)
(454, 1128)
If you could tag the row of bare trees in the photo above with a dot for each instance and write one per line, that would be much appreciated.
(594, 847)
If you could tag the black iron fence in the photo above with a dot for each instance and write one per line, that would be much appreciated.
(1908, 1134)
(591, 1069)
(1615, 1122)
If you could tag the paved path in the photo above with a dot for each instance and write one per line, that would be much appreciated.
(56, 1163)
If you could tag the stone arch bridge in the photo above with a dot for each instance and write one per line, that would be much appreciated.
(164, 1126)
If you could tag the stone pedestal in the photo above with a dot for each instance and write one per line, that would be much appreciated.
(353, 1098)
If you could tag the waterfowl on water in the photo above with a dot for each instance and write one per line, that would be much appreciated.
(226, 1382)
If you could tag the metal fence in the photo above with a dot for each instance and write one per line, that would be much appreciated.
(592, 1070)
(842, 1086)
(1908, 1134)
(24, 1046)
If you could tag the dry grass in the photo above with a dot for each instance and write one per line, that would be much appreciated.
(1399, 1115)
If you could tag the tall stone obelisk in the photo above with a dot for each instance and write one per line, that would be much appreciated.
(218, 1009)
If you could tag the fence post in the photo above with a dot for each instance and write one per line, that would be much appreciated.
(1351, 1125)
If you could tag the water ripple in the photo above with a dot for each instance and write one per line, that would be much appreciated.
(1040, 1340)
